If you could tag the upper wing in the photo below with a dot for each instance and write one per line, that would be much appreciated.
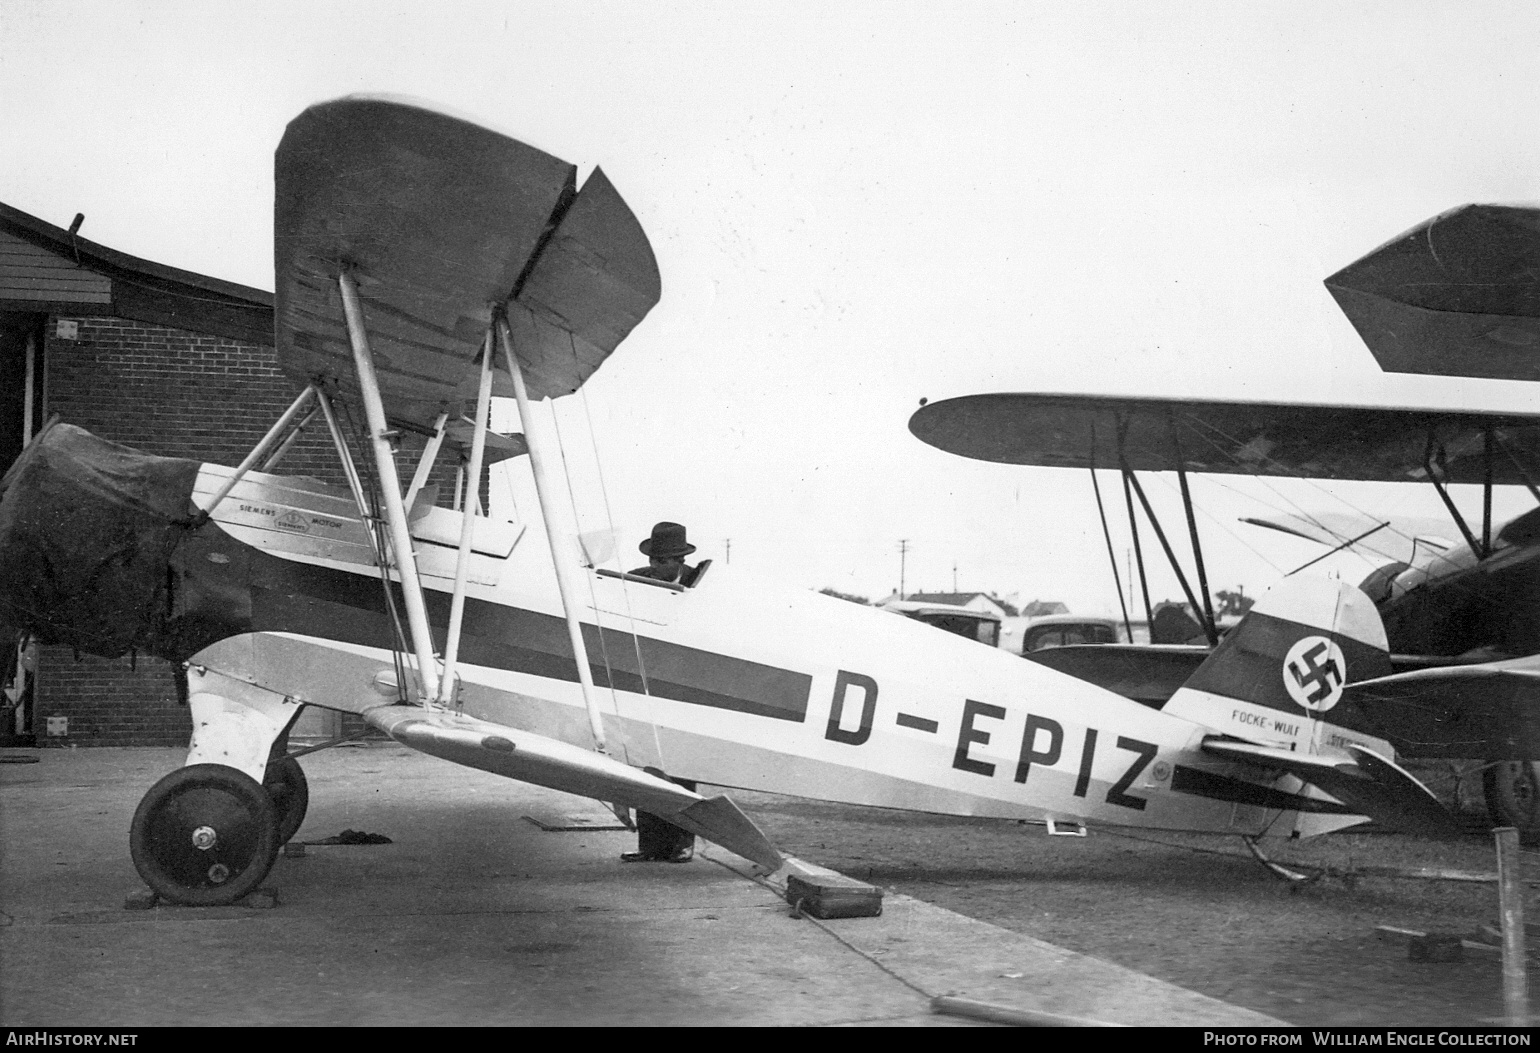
(1458, 295)
(442, 222)
(1244, 438)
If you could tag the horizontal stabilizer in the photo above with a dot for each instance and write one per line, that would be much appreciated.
(561, 766)
(1147, 673)
(1359, 778)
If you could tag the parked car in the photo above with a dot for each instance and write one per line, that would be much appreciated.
(983, 626)
(1060, 630)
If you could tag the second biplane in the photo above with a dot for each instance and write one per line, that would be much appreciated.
(425, 264)
(1457, 295)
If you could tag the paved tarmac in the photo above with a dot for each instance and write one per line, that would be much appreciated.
(474, 915)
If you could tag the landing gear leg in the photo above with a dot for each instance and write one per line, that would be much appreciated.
(205, 835)
(284, 780)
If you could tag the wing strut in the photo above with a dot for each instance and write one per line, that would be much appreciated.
(1149, 513)
(1107, 534)
(467, 525)
(1206, 610)
(390, 489)
(554, 538)
(257, 451)
(425, 463)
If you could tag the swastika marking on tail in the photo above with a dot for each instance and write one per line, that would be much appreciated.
(1314, 671)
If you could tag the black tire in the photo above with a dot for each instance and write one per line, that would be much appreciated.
(1512, 791)
(222, 809)
(285, 783)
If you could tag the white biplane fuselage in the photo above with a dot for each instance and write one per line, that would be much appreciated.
(735, 682)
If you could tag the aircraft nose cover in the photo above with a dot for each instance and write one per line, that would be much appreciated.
(86, 531)
(441, 221)
(1458, 295)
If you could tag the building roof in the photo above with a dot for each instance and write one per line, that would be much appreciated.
(140, 289)
(955, 599)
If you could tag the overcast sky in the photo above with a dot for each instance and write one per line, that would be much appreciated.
(855, 206)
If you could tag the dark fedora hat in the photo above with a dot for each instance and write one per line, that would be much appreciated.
(667, 540)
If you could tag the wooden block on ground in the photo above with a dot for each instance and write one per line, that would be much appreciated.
(833, 896)
(140, 899)
(261, 899)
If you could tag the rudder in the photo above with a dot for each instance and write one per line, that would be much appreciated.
(1276, 677)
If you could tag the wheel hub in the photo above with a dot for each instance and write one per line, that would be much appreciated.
(204, 838)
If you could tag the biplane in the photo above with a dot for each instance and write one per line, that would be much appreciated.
(1459, 599)
(425, 265)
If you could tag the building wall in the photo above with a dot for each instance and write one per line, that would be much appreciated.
(174, 393)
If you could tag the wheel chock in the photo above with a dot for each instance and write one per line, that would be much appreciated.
(140, 899)
(260, 899)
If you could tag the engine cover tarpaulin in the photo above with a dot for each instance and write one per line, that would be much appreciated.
(86, 531)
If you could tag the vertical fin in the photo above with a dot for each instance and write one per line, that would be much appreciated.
(1276, 678)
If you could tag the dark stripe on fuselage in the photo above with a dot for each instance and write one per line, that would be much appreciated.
(1217, 787)
(288, 596)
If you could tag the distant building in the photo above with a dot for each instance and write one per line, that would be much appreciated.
(1042, 608)
(973, 601)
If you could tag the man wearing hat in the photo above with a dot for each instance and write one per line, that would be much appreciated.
(665, 552)
(657, 839)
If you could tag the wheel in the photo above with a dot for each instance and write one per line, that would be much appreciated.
(1512, 790)
(285, 783)
(205, 835)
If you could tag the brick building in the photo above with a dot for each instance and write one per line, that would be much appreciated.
(156, 358)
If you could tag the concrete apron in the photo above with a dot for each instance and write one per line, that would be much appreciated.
(475, 916)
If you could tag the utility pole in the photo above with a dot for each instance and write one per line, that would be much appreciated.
(903, 550)
(729, 546)
(954, 576)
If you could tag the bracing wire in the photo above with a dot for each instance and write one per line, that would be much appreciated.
(1206, 432)
(609, 518)
(1200, 426)
(376, 526)
(604, 651)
